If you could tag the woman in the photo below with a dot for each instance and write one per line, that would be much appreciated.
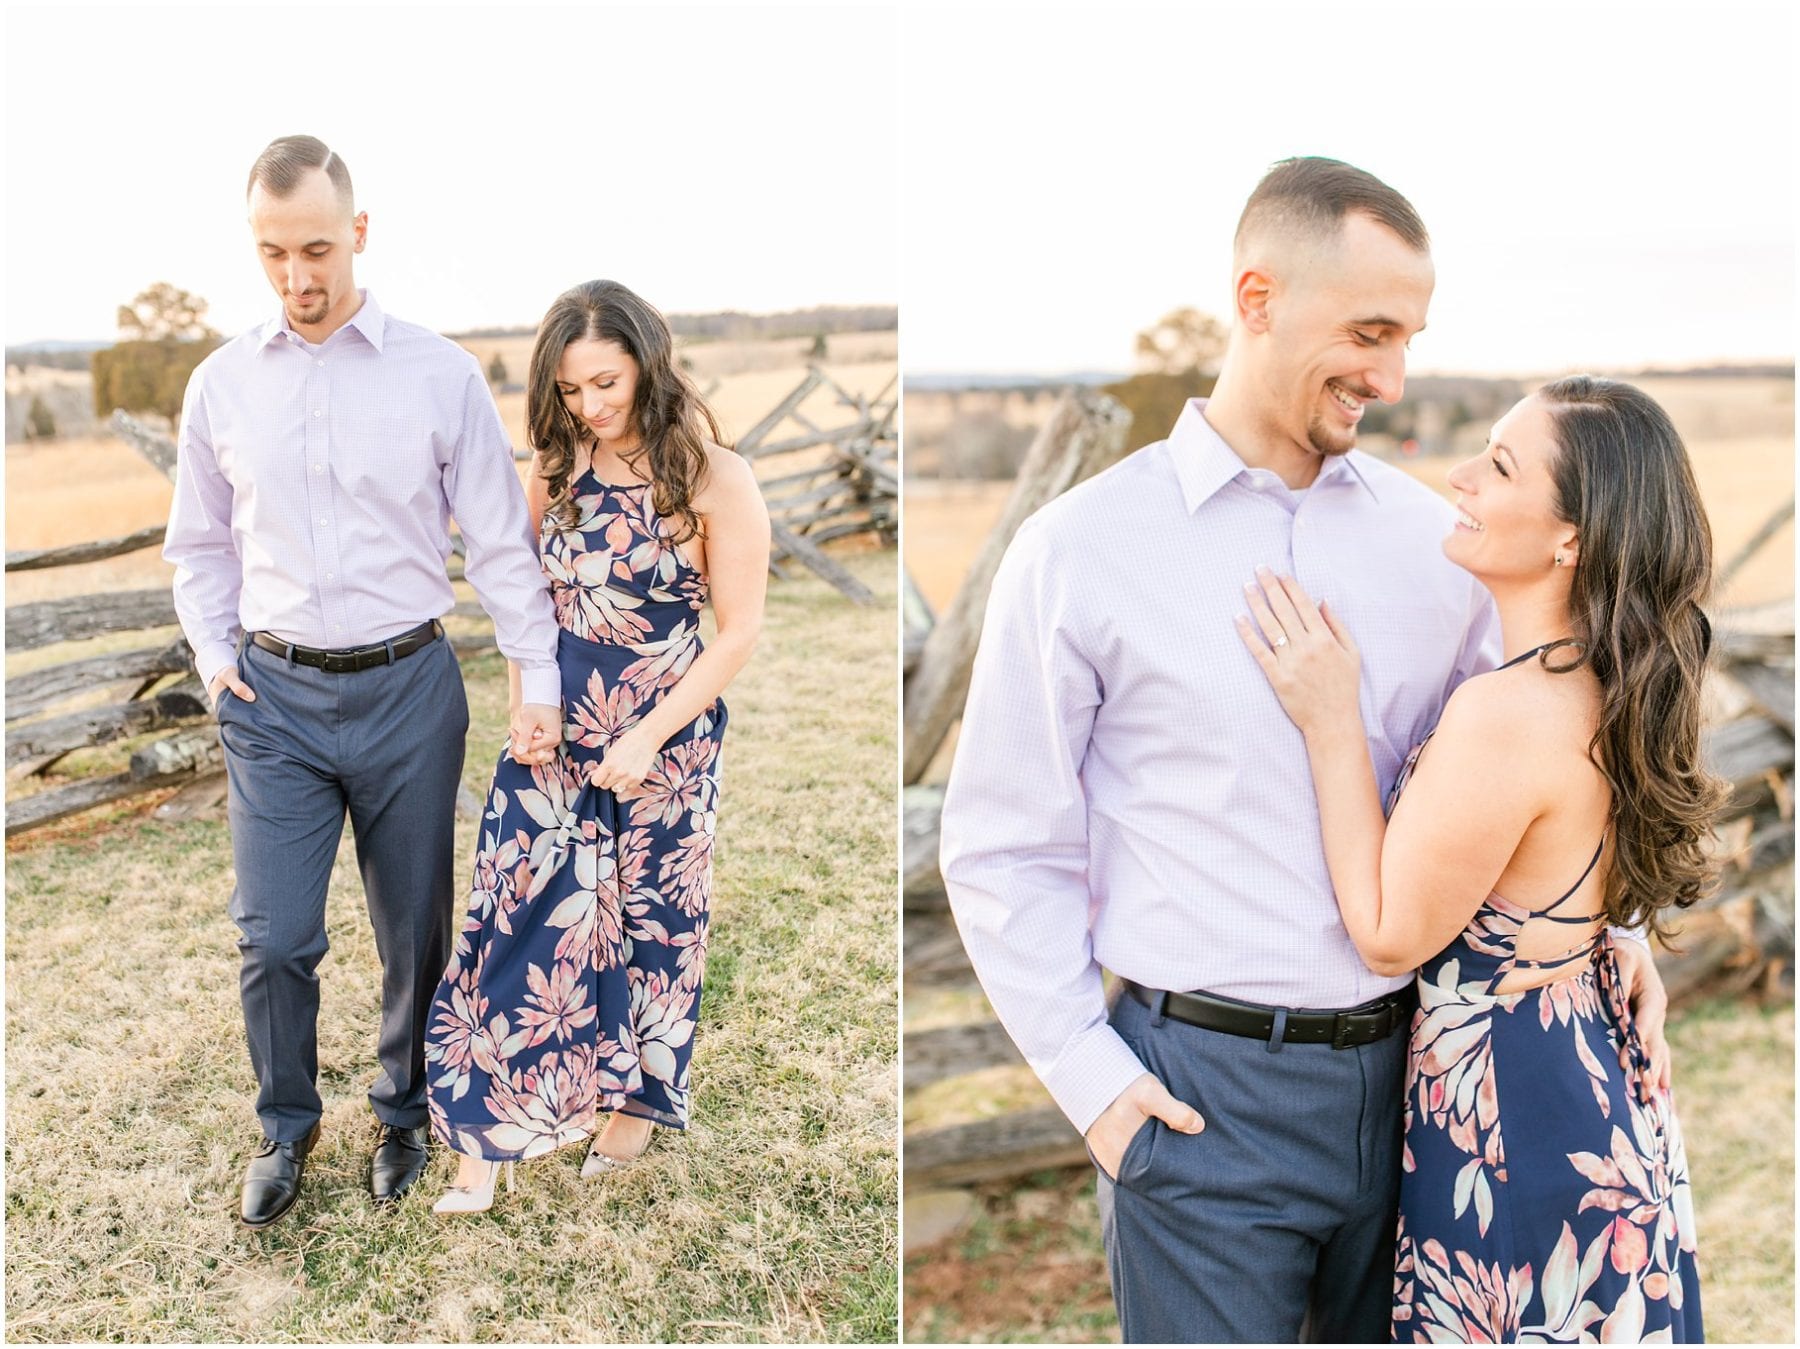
(575, 983)
(1544, 1192)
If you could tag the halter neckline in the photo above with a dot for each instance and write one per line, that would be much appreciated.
(615, 486)
(1535, 651)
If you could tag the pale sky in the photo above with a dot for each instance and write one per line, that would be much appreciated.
(737, 158)
(1605, 187)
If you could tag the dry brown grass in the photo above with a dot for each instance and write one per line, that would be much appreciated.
(773, 1219)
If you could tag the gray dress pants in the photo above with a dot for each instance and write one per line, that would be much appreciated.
(386, 745)
(1276, 1223)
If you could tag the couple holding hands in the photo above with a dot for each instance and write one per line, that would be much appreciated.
(1202, 673)
(321, 458)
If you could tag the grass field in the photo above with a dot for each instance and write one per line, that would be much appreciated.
(773, 1219)
(1031, 1269)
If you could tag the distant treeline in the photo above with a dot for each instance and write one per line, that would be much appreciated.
(730, 325)
(58, 358)
(1438, 386)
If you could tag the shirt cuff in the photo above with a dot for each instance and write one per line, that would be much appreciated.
(207, 664)
(1636, 934)
(1091, 1073)
(541, 684)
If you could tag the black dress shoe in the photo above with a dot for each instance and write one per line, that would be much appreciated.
(399, 1158)
(272, 1180)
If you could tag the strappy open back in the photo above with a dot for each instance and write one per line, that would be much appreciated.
(1493, 931)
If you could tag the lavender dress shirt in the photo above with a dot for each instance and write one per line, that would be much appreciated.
(314, 488)
(1127, 791)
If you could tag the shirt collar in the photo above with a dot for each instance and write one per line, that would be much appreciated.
(368, 320)
(1204, 462)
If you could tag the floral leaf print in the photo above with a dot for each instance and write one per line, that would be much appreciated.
(1468, 1302)
(661, 1014)
(595, 721)
(675, 784)
(558, 1003)
(661, 666)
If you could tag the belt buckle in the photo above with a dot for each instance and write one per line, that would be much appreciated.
(1373, 1022)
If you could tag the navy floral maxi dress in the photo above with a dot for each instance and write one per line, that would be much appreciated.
(575, 982)
(1544, 1186)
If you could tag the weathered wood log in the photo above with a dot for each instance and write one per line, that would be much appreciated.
(1689, 970)
(916, 620)
(1085, 432)
(30, 693)
(1771, 687)
(203, 798)
(790, 544)
(806, 503)
(749, 443)
(102, 725)
(1002, 1148)
(194, 751)
(153, 445)
(163, 764)
(44, 622)
(805, 475)
(1745, 752)
(1753, 545)
(839, 436)
(921, 883)
(932, 951)
(881, 525)
(71, 554)
(933, 1055)
(31, 812)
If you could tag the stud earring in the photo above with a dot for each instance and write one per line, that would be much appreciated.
(1561, 560)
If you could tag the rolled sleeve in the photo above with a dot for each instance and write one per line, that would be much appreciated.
(1014, 845)
(209, 577)
(484, 496)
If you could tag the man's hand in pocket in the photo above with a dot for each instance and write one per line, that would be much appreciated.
(1112, 1132)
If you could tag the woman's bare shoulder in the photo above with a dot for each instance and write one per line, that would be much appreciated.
(729, 478)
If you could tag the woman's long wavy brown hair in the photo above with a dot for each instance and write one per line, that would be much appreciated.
(1624, 482)
(672, 420)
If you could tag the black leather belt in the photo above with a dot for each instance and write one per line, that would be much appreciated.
(1341, 1030)
(352, 659)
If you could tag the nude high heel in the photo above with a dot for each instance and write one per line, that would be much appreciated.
(600, 1163)
(474, 1198)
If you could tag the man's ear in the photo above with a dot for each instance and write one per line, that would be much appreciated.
(1254, 290)
(360, 224)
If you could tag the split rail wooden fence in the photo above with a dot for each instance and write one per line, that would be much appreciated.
(844, 482)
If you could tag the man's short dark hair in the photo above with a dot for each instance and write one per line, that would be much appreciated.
(1310, 196)
(281, 166)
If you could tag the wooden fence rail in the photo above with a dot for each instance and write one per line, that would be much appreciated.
(851, 488)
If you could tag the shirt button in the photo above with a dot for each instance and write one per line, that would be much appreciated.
(317, 413)
(331, 576)
(318, 468)
(321, 520)
(318, 362)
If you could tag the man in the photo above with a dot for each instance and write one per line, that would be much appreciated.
(320, 458)
(1128, 795)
